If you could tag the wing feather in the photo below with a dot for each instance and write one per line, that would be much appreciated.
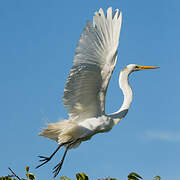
(94, 62)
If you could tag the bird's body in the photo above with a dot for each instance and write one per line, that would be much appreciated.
(67, 130)
(86, 86)
(85, 90)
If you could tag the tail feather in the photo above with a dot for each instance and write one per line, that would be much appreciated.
(57, 131)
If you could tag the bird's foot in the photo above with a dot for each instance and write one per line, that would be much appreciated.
(45, 159)
(57, 169)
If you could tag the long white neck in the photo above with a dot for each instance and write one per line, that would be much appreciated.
(128, 95)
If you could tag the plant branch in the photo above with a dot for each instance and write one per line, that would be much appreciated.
(14, 173)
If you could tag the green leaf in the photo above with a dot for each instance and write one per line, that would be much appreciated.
(81, 176)
(5, 178)
(64, 178)
(30, 176)
(27, 169)
(157, 178)
(134, 176)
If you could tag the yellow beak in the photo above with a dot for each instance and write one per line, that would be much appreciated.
(147, 67)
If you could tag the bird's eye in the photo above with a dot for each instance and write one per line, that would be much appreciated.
(137, 67)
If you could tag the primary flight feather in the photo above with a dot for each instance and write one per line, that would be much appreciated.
(86, 86)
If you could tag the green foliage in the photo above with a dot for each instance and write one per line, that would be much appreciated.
(27, 169)
(157, 178)
(134, 176)
(30, 176)
(64, 178)
(7, 178)
(79, 176)
(108, 178)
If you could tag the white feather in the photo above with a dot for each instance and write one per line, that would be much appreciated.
(93, 64)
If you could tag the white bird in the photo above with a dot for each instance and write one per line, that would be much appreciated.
(86, 86)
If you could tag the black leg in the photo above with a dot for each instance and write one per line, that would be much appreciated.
(46, 159)
(58, 167)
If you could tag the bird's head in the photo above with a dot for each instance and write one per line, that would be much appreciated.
(135, 67)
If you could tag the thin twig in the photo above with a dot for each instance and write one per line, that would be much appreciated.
(14, 173)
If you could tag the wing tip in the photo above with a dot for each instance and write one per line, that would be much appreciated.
(109, 13)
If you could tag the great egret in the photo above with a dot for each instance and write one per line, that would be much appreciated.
(86, 86)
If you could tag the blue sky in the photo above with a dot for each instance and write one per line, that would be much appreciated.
(37, 45)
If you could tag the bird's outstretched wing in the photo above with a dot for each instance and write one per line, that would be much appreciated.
(95, 59)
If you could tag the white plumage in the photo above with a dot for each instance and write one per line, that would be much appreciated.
(85, 90)
(86, 86)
